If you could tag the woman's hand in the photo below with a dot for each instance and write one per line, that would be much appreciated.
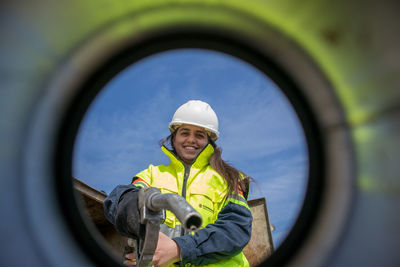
(167, 251)
(130, 259)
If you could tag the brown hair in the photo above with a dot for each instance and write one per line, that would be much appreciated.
(237, 181)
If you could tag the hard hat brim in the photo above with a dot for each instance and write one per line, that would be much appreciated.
(173, 126)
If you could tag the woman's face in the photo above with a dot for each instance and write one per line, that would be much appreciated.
(189, 141)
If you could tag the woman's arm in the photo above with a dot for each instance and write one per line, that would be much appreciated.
(223, 239)
(111, 201)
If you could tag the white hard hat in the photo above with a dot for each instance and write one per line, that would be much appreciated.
(198, 113)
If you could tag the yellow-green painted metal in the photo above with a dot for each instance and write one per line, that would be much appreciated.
(353, 43)
(48, 47)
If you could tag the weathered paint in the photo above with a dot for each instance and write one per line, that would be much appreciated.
(261, 244)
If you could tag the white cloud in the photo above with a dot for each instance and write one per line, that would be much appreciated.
(259, 127)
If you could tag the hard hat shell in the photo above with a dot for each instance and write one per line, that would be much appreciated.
(198, 113)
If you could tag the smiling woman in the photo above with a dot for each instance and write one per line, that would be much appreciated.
(197, 173)
(189, 141)
(261, 133)
(337, 63)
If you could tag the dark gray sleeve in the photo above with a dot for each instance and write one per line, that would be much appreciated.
(223, 239)
(112, 200)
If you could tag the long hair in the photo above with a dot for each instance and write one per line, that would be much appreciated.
(238, 182)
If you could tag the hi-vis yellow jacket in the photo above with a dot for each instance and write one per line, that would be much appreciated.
(227, 219)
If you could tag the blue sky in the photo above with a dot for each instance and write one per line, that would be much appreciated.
(260, 133)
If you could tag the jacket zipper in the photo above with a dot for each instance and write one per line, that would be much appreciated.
(185, 179)
(186, 176)
(187, 172)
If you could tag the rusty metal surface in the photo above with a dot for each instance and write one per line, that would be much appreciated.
(92, 202)
(261, 244)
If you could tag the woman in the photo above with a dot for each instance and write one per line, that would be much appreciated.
(197, 172)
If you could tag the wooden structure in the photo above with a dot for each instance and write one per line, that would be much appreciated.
(259, 247)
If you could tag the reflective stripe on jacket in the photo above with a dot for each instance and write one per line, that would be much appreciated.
(226, 227)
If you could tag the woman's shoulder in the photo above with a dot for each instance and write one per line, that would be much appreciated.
(212, 177)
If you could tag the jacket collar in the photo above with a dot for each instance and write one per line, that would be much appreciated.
(202, 159)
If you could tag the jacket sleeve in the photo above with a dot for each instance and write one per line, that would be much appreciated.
(110, 204)
(223, 239)
(111, 201)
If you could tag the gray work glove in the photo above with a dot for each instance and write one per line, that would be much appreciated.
(127, 218)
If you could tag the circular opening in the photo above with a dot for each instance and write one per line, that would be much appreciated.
(87, 237)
